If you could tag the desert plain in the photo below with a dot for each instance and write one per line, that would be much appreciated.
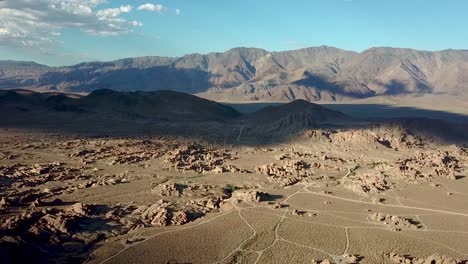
(376, 192)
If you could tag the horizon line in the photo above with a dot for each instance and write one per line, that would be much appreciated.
(240, 47)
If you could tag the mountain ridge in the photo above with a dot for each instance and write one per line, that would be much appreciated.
(236, 48)
(251, 74)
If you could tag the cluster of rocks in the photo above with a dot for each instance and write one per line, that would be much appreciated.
(31, 143)
(48, 230)
(89, 156)
(160, 214)
(23, 183)
(393, 221)
(172, 189)
(51, 226)
(181, 204)
(343, 259)
(33, 197)
(392, 137)
(206, 204)
(4, 203)
(425, 166)
(370, 183)
(433, 259)
(319, 135)
(284, 181)
(251, 196)
(100, 181)
(326, 162)
(36, 174)
(230, 168)
(461, 151)
(192, 191)
(200, 159)
(120, 151)
(20, 197)
(35, 217)
(419, 168)
(6, 155)
(71, 144)
(132, 158)
(289, 173)
(288, 168)
(293, 154)
(118, 157)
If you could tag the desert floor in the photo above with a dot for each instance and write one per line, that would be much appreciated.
(377, 195)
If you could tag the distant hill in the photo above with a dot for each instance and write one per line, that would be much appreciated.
(298, 109)
(159, 105)
(162, 112)
(170, 113)
(292, 117)
(250, 74)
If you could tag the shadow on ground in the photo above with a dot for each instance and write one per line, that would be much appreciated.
(369, 111)
(380, 111)
(112, 114)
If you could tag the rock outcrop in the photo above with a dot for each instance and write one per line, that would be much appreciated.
(433, 259)
(394, 221)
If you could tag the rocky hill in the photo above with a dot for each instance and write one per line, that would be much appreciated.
(250, 74)
(290, 118)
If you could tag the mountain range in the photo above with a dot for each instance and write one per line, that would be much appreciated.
(251, 74)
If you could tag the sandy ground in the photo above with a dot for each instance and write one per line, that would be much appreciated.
(357, 196)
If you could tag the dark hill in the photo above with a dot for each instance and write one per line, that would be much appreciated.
(167, 105)
(299, 109)
(290, 118)
(158, 105)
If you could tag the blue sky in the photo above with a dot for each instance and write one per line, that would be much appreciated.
(177, 27)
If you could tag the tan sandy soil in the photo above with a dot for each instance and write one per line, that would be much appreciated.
(349, 196)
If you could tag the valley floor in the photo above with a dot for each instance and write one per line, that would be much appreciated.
(374, 195)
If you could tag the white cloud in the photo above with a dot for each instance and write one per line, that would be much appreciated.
(177, 11)
(136, 23)
(113, 12)
(151, 7)
(38, 23)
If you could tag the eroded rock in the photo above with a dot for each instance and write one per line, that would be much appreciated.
(427, 165)
(371, 183)
(253, 196)
(394, 221)
(433, 259)
(198, 158)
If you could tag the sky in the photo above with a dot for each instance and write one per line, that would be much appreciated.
(65, 32)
